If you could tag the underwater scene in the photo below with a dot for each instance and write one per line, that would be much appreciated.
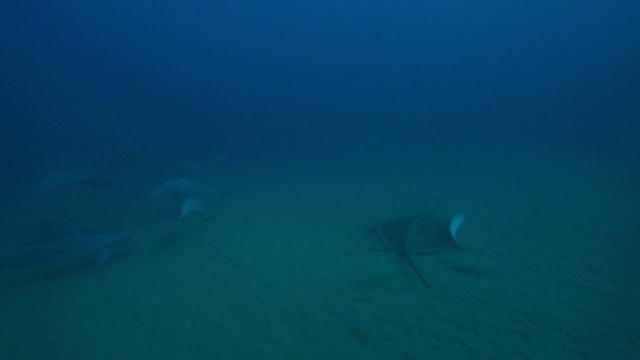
(320, 180)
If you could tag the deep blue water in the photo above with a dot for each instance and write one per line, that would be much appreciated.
(247, 78)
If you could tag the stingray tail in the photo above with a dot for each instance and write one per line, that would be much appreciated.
(418, 272)
(410, 240)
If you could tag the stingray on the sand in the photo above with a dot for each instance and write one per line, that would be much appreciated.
(413, 235)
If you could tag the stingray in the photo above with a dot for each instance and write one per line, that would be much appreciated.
(414, 235)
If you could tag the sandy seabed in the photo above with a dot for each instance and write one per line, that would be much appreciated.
(549, 269)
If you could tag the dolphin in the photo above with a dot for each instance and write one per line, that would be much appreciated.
(59, 180)
(123, 161)
(82, 247)
(195, 167)
(190, 205)
(181, 186)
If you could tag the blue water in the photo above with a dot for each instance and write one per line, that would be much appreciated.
(313, 120)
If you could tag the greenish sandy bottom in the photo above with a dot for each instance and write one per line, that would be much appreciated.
(549, 270)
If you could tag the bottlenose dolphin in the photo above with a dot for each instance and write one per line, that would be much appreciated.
(123, 161)
(64, 179)
(195, 167)
(60, 249)
(409, 236)
(182, 186)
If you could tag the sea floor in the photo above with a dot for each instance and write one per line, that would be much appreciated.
(549, 268)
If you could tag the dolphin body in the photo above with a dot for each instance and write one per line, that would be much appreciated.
(80, 248)
(60, 180)
(182, 186)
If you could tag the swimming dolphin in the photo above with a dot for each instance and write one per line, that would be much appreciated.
(123, 161)
(59, 180)
(83, 247)
(182, 186)
(195, 167)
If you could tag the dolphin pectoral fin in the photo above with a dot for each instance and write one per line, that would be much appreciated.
(104, 256)
(454, 225)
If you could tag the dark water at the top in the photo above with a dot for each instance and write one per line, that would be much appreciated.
(271, 78)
